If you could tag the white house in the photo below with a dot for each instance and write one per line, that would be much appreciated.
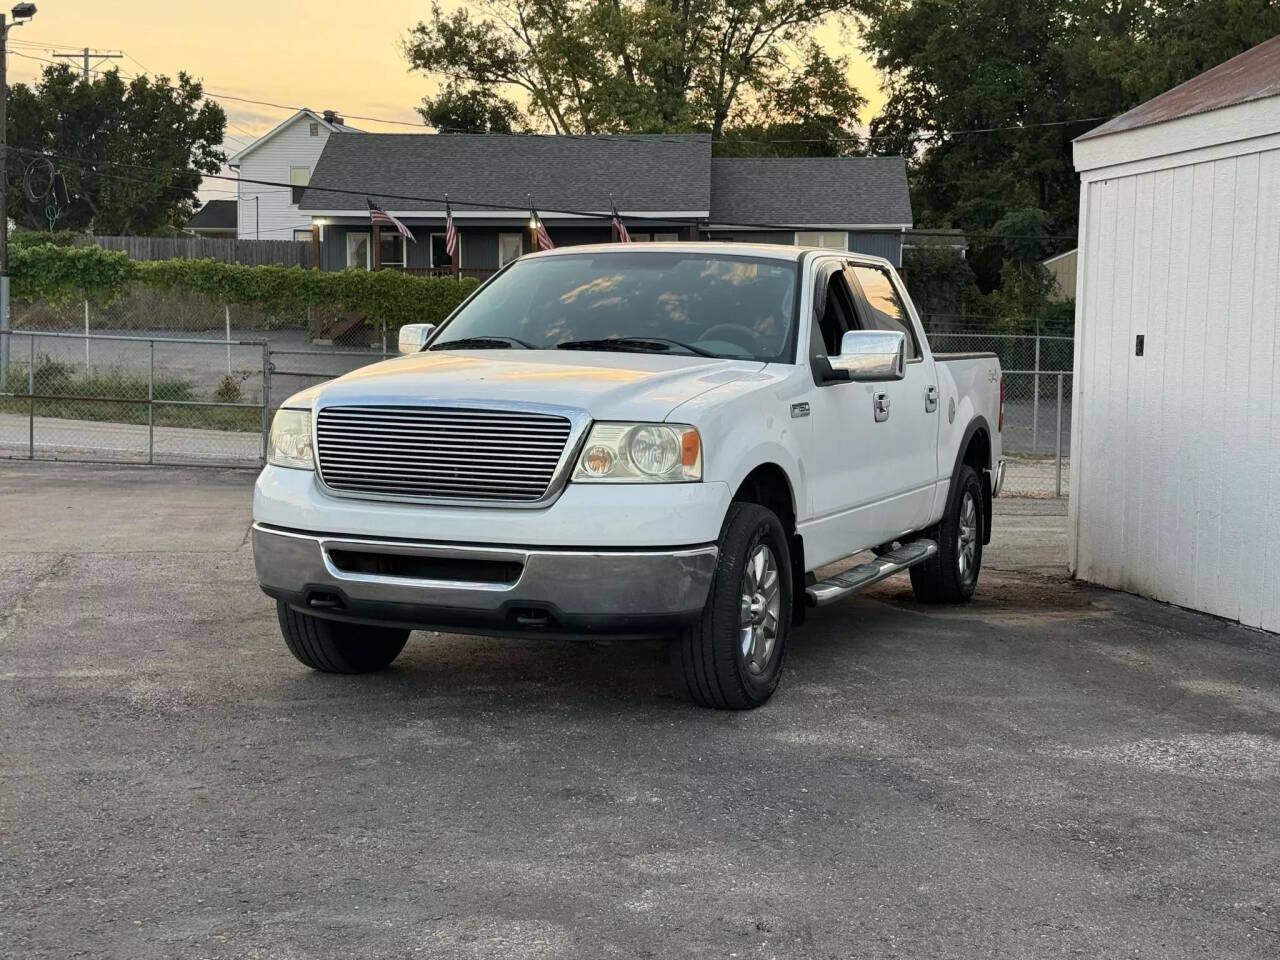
(1175, 446)
(286, 154)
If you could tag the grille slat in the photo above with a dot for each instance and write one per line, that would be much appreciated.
(439, 453)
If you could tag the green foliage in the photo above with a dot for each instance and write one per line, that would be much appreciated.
(132, 152)
(477, 110)
(59, 274)
(810, 112)
(584, 66)
(940, 281)
(958, 66)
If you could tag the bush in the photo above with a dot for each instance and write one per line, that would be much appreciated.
(48, 272)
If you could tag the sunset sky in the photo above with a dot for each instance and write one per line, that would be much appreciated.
(318, 53)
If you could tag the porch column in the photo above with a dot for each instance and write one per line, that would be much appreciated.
(315, 245)
(375, 255)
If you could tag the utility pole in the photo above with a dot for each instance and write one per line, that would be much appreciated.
(22, 12)
(83, 55)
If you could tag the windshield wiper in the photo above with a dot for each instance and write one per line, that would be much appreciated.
(632, 345)
(483, 343)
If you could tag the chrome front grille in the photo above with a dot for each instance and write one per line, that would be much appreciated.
(440, 453)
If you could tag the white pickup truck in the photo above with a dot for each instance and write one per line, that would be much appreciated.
(645, 440)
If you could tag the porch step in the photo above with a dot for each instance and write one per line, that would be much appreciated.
(864, 574)
(339, 331)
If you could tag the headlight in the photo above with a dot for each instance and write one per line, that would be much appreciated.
(290, 444)
(640, 452)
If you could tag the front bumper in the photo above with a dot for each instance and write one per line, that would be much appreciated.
(484, 589)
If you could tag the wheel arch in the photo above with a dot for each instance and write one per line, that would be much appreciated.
(975, 451)
(768, 485)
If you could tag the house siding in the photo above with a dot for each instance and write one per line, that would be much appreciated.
(882, 243)
(277, 216)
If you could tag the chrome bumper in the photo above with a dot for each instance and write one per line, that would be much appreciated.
(480, 588)
(997, 477)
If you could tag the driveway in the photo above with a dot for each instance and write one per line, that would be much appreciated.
(1052, 771)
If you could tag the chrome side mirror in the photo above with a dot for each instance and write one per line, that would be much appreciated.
(414, 336)
(872, 355)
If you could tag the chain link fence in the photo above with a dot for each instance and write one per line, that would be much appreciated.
(167, 378)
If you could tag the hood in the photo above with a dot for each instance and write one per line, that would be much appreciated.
(607, 385)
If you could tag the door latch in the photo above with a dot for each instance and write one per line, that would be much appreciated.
(931, 398)
(880, 402)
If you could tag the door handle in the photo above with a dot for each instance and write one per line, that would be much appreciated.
(880, 403)
(931, 398)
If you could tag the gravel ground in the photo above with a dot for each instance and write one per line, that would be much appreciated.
(1054, 770)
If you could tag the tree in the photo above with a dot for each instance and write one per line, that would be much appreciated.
(475, 110)
(957, 67)
(599, 66)
(132, 154)
(811, 113)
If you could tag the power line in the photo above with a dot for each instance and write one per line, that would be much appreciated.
(477, 204)
(649, 138)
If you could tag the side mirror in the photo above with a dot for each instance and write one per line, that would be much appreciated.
(414, 336)
(871, 355)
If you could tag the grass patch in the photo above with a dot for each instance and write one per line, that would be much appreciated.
(112, 396)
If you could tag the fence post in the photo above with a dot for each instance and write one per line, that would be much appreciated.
(1057, 483)
(86, 335)
(227, 308)
(266, 398)
(1035, 401)
(31, 402)
(151, 408)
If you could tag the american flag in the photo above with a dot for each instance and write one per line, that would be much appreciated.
(382, 218)
(450, 232)
(541, 239)
(619, 230)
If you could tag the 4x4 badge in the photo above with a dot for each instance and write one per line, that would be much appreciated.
(799, 410)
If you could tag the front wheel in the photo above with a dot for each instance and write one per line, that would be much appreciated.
(731, 658)
(334, 647)
(951, 575)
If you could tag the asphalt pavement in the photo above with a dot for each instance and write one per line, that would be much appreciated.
(1054, 770)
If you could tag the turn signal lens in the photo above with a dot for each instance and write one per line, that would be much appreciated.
(598, 461)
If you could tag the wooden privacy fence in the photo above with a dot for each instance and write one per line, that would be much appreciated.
(288, 253)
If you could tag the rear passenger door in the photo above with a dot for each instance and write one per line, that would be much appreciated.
(909, 448)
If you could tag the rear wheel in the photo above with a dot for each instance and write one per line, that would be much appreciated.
(335, 647)
(951, 575)
(731, 658)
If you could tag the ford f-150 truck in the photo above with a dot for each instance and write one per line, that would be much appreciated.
(644, 440)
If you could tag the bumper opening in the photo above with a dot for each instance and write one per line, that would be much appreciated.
(421, 567)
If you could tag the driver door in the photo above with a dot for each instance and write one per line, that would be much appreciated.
(850, 490)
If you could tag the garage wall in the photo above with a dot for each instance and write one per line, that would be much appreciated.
(1176, 478)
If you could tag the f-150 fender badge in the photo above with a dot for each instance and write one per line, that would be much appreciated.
(799, 410)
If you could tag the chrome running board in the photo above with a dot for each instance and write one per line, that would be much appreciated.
(865, 574)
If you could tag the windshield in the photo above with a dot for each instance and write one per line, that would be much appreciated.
(634, 301)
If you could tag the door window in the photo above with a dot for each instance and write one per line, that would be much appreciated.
(390, 249)
(835, 319)
(510, 247)
(358, 250)
(439, 255)
(881, 307)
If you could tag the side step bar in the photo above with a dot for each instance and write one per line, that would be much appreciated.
(865, 574)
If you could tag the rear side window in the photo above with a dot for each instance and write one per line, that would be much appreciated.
(882, 308)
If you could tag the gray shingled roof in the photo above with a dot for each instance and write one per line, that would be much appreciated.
(215, 215)
(643, 173)
(810, 190)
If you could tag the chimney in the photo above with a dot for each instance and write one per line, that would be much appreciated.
(331, 116)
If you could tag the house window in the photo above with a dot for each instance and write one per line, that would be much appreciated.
(315, 129)
(827, 239)
(390, 249)
(299, 177)
(358, 243)
(304, 235)
(439, 256)
(510, 247)
(655, 237)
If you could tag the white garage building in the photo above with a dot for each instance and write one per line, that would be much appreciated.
(1175, 469)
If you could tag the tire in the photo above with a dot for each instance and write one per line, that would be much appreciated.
(334, 647)
(951, 575)
(712, 667)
